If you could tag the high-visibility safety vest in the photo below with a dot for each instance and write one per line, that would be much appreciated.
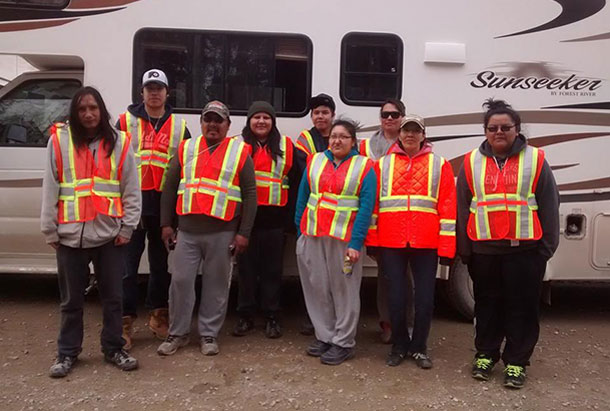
(153, 150)
(88, 185)
(503, 202)
(209, 183)
(365, 148)
(334, 198)
(305, 143)
(416, 202)
(272, 175)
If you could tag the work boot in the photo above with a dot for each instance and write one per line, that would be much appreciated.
(422, 360)
(244, 326)
(122, 360)
(336, 355)
(127, 331)
(158, 323)
(62, 366)
(273, 329)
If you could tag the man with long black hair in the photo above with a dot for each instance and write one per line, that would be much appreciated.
(90, 206)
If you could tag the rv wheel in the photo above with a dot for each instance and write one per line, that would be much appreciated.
(459, 290)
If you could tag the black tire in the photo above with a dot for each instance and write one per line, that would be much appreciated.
(460, 291)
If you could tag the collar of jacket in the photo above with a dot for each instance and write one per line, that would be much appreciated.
(329, 155)
(397, 148)
(138, 110)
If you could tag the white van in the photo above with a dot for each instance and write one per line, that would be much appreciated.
(549, 59)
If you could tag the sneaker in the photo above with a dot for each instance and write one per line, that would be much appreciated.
(244, 326)
(422, 360)
(122, 360)
(335, 355)
(158, 323)
(481, 367)
(62, 366)
(317, 348)
(273, 329)
(514, 376)
(172, 343)
(209, 346)
(127, 331)
(307, 328)
(394, 358)
(386, 332)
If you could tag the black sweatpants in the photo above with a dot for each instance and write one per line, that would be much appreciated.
(260, 272)
(507, 299)
(73, 274)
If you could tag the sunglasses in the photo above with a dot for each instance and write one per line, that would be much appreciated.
(388, 114)
(504, 128)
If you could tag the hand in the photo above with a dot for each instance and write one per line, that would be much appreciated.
(54, 244)
(352, 254)
(239, 244)
(120, 240)
(168, 235)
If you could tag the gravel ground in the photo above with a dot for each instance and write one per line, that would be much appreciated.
(570, 368)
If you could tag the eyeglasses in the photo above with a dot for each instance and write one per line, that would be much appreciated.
(342, 137)
(504, 128)
(388, 114)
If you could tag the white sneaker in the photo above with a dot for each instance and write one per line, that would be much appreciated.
(172, 343)
(209, 346)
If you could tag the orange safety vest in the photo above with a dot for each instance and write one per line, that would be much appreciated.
(153, 150)
(305, 143)
(334, 198)
(271, 175)
(209, 183)
(87, 187)
(417, 203)
(365, 148)
(503, 202)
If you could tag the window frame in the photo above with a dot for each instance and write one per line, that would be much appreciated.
(343, 66)
(136, 80)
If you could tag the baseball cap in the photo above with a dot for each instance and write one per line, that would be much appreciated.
(154, 76)
(217, 107)
(322, 100)
(413, 118)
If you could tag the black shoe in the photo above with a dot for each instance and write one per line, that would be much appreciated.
(62, 366)
(243, 327)
(122, 360)
(394, 358)
(307, 328)
(317, 348)
(273, 329)
(514, 376)
(422, 360)
(335, 355)
(481, 367)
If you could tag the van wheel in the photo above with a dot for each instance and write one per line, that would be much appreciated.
(460, 291)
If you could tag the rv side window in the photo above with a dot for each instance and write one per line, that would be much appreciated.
(371, 68)
(236, 68)
(51, 4)
(28, 112)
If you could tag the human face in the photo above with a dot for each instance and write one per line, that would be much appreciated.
(501, 141)
(260, 124)
(390, 125)
(89, 113)
(322, 118)
(214, 127)
(411, 137)
(340, 142)
(154, 95)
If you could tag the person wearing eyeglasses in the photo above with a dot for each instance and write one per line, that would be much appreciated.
(507, 229)
(211, 187)
(390, 116)
(333, 212)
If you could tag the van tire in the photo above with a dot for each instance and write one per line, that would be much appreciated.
(460, 291)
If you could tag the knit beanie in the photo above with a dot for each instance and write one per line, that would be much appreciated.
(261, 107)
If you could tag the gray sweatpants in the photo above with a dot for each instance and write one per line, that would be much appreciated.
(331, 297)
(212, 250)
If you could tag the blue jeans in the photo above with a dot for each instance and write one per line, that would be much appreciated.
(423, 264)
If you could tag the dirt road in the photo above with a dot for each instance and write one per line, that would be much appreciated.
(570, 370)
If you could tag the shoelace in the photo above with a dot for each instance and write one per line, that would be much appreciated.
(420, 356)
(208, 340)
(483, 363)
(513, 370)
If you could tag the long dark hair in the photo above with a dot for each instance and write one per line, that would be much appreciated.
(500, 107)
(105, 129)
(273, 140)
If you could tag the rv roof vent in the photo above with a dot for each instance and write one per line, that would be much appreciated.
(448, 53)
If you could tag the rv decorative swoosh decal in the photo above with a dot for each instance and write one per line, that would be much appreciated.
(603, 36)
(572, 11)
(603, 105)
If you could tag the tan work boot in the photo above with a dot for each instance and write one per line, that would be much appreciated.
(127, 331)
(158, 323)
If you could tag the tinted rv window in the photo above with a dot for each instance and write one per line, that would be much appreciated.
(371, 68)
(54, 4)
(28, 112)
(236, 68)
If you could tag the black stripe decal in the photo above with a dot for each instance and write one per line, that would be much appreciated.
(584, 198)
(15, 14)
(602, 105)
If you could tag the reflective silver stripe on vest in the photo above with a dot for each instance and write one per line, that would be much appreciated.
(349, 192)
(277, 170)
(225, 179)
(478, 184)
(528, 162)
(316, 167)
(70, 184)
(447, 226)
(189, 158)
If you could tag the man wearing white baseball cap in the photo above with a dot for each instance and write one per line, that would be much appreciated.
(155, 136)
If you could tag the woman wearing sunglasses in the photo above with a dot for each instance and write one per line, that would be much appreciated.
(507, 229)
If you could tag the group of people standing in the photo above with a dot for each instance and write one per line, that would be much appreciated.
(215, 198)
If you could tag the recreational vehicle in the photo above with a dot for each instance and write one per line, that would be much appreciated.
(548, 58)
